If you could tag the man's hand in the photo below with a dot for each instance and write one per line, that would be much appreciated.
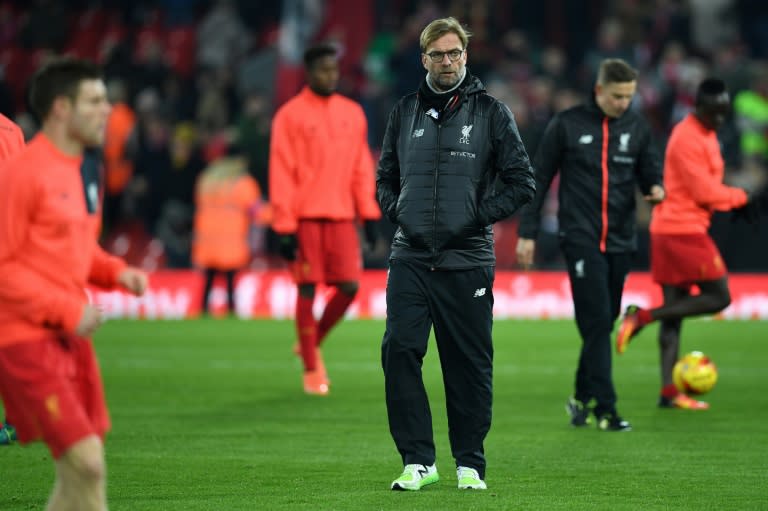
(133, 280)
(657, 195)
(525, 250)
(289, 244)
(90, 320)
(371, 229)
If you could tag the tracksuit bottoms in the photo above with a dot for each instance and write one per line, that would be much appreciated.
(597, 281)
(458, 304)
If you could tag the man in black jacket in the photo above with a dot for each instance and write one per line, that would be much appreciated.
(602, 150)
(443, 149)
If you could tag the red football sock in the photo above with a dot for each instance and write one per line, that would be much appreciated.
(644, 316)
(333, 312)
(669, 391)
(306, 327)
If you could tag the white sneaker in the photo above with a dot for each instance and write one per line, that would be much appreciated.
(415, 477)
(469, 479)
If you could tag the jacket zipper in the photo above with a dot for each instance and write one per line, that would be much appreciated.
(604, 198)
(434, 199)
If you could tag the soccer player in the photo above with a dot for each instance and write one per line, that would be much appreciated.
(321, 182)
(445, 146)
(11, 142)
(11, 138)
(682, 253)
(49, 222)
(603, 151)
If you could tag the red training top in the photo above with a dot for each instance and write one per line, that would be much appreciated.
(11, 138)
(320, 165)
(48, 248)
(693, 181)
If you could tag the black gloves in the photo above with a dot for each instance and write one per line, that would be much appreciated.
(749, 212)
(288, 246)
(371, 229)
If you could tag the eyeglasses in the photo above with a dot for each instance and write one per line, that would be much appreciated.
(438, 56)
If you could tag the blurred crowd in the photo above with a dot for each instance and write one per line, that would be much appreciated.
(190, 79)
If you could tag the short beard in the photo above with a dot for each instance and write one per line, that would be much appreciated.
(322, 92)
(438, 88)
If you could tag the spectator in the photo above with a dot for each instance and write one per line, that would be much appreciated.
(118, 168)
(751, 110)
(253, 130)
(222, 39)
(174, 189)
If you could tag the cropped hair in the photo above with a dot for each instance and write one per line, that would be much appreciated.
(59, 77)
(318, 51)
(709, 88)
(439, 27)
(615, 71)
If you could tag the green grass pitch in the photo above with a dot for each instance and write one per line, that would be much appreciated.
(209, 415)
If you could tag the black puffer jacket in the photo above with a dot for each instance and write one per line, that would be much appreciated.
(435, 179)
(601, 162)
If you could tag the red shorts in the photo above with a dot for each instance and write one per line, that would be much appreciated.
(52, 391)
(684, 259)
(329, 252)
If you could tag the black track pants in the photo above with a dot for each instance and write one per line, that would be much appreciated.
(597, 281)
(459, 305)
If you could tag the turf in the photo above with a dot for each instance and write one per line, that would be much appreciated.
(209, 415)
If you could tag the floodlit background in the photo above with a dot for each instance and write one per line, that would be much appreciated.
(199, 74)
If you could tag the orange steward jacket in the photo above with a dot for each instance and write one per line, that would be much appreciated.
(693, 181)
(224, 200)
(320, 165)
(48, 248)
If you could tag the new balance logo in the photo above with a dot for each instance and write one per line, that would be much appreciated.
(423, 472)
(578, 268)
(479, 292)
(418, 133)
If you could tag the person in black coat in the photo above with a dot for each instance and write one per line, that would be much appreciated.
(603, 151)
(444, 148)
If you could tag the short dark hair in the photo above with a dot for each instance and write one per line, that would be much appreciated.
(318, 51)
(615, 71)
(59, 77)
(709, 88)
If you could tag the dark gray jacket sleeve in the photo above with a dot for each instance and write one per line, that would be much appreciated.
(388, 170)
(546, 164)
(649, 166)
(514, 168)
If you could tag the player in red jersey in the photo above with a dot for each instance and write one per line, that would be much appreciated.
(11, 138)
(11, 142)
(321, 182)
(49, 222)
(682, 253)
